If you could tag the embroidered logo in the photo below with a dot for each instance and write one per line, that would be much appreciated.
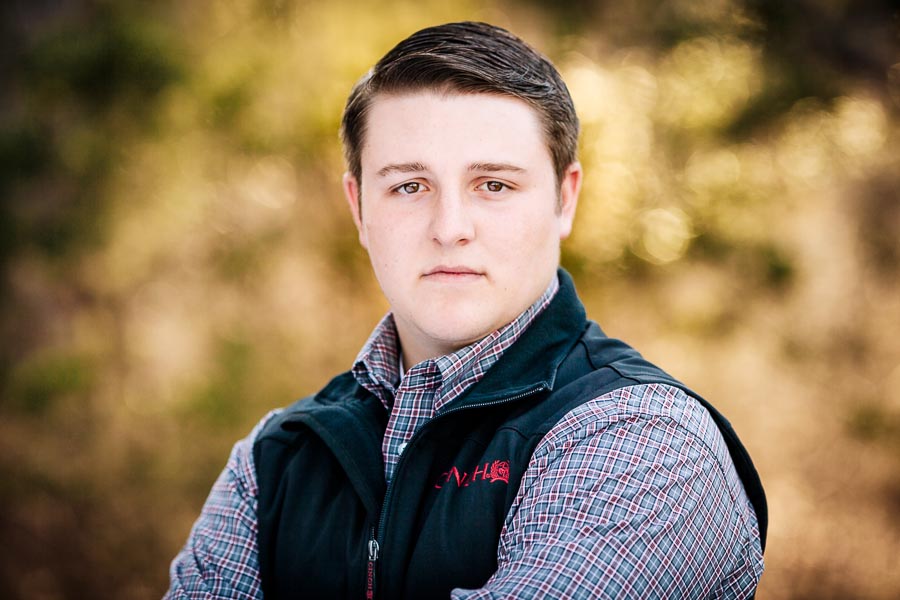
(492, 472)
(499, 471)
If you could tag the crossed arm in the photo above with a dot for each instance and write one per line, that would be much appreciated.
(620, 500)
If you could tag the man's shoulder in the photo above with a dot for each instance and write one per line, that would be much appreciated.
(601, 367)
(272, 428)
(611, 354)
(653, 420)
(341, 412)
(659, 402)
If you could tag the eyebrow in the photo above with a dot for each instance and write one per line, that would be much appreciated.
(411, 167)
(495, 167)
(417, 167)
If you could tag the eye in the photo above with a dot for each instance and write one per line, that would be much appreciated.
(410, 187)
(493, 186)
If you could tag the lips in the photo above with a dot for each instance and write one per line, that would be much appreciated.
(450, 273)
(452, 270)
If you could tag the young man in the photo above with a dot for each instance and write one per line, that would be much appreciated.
(489, 441)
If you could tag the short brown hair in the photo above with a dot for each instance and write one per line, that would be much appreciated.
(470, 58)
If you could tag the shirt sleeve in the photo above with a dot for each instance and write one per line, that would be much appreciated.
(631, 495)
(220, 559)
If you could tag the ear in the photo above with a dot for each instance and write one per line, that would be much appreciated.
(352, 193)
(569, 188)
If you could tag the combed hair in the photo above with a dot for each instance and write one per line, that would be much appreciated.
(467, 58)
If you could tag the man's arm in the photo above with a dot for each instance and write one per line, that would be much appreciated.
(632, 495)
(220, 558)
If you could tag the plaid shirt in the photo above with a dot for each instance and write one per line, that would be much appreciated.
(630, 495)
(433, 383)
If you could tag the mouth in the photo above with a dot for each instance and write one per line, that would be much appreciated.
(452, 273)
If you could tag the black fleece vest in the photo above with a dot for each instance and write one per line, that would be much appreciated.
(329, 527)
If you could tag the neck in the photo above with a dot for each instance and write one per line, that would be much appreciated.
(413, 352)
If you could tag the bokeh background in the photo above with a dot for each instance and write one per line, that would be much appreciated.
(177, 259)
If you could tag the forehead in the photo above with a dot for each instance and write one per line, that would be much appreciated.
(445, 127)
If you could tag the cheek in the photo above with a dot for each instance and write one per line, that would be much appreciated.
(395, 235)
(378, 228)
(527, 233)
(386, 246)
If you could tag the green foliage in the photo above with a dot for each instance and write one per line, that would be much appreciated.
(119, 57)
(22, 152)
(171, 223)
(82, 88)
(872, 423)
(221, 399)
(39, 382)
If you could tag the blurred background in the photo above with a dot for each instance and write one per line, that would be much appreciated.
(177, 259)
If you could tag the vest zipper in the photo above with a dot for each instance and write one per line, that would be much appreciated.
(370, 567)
(374, 546)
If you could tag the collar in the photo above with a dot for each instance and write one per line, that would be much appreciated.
(533, 361)
(377, 367)
(528, 365)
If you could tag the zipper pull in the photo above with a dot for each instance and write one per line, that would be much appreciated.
(373, 548)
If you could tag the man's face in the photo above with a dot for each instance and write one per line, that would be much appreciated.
(461, 214)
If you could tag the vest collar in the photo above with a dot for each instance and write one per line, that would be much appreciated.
(528, 366)
(531, 363)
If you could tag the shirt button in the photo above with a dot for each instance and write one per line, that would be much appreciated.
(401, 448)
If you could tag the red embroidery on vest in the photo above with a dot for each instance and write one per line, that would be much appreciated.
(491, 472)
(500, 471)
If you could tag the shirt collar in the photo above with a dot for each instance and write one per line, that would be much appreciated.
(377, 366)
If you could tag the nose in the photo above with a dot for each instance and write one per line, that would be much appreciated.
(451, 221)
